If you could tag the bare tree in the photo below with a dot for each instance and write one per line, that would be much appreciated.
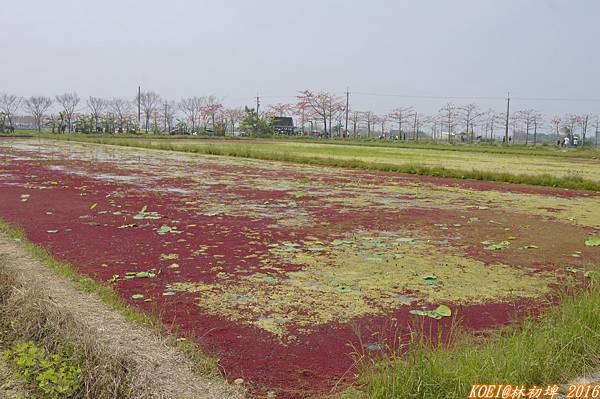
(538, 121)
(97, 107)
(191, 107)
(469, 114)
(435, 123)
(303, 111)
(570, 121)
(122, 110)
(401, 115)
(369, 118)
(234, 117)
(210, 110)
(492, 120)
(583, 122)
(37, 107)
(417, 123)
(556, 122)
(9, 105)
(449, 114)
(326, 106)
(68, 102)
(355, 120)
(597, 126)
(526, 116)
(149, 103)
(168, 112)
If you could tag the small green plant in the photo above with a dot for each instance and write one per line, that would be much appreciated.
(55, 376)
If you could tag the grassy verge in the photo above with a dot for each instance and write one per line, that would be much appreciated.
(562, 344)
(514, 149)
(203, 364)
(575, 183)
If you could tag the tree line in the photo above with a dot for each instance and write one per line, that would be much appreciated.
(315, 113)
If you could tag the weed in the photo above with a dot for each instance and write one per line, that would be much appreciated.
(55, 375)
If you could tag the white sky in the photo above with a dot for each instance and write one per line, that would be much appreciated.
(234, 49)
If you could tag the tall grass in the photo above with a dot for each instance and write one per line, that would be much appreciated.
(546, 180)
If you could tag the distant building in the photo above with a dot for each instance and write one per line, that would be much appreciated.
(283, 125)
(24, 122)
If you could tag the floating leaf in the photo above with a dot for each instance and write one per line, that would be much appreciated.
(496, 247)
(592, 274)
(147, 215)
(168, 293)
(573, 270)
(373, 346)
(593, 241)
(169, 256)
(137, 296)
(438, 313)
(93, 205)
(52, 231)
(443, 311)
(145, 275)
(164, 229)
(25, 197)
(432, 281)
(343, 289)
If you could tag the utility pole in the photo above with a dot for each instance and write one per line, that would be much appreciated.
(507, 118)
(347, 105)
(166, 115)
(257, 104)
(415, 128)
(139, 106)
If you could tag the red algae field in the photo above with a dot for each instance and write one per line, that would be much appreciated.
(286, 272)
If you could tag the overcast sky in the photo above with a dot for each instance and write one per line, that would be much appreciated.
(237, 48)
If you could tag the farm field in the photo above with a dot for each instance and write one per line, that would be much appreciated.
(557, 164)
(285, 271)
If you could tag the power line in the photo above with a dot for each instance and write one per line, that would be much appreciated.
(479, 97)
(556, 99)
(429, 97)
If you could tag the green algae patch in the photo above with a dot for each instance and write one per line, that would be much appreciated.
(361, 276)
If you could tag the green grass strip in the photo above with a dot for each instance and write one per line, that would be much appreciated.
(546, 180)
(515, 149)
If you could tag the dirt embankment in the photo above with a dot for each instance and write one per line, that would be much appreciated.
(121, 359)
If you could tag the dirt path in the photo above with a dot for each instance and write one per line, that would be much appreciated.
(166, 371)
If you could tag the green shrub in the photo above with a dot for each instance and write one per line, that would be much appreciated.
(55, 376)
